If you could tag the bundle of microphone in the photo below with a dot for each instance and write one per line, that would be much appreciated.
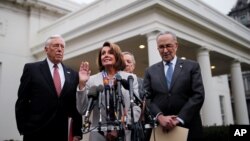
(116, 118)
(93, 94)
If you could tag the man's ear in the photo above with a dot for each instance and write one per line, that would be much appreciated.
(45, 49)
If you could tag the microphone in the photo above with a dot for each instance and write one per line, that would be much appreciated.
(130, 82)
(93, 92)
(118, 77)
(119, 94)
(125, 84)
(92, 95)
(107, 94)
(118, 83)
(100, 89)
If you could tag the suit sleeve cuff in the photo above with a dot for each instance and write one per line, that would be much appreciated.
(180, 120)
(78, 90)
(156, 117)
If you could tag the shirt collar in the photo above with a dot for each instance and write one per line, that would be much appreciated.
(173, 61)
(51, 65)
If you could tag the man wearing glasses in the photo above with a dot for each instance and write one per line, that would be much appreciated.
(176, 89)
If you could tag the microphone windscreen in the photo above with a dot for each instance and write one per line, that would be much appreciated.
(100, 88)
(107, 87)
(92, 92)
(130, 77)
(125, 84)
(118, 77)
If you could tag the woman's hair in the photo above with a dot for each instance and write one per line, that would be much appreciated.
(115, 49)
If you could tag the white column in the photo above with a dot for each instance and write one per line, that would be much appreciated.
(153, 54)
(211, 114)
(238, 93)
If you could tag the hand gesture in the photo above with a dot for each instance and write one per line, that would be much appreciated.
(112, 135)
(76, 138)
(84, 74)
(168, 122)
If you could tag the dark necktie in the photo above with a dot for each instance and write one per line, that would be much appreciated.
(57, 80)
(169, 73)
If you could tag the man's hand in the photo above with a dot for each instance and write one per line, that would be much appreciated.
(167, 122)
(76, 138)
(112, 135)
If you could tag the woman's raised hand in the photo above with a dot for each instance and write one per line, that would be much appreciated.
(84, 74)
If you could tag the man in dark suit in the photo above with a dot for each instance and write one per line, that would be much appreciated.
(45, 104)
(130, 67)
(175, 101)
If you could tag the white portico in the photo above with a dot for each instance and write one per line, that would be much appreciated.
(204, 35)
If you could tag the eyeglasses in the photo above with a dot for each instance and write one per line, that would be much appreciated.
(167, 46)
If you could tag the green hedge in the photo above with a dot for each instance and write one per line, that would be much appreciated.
(216, 133)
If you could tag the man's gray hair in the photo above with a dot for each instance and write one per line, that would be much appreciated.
(167, 32)
(132, 56)
(48, 41)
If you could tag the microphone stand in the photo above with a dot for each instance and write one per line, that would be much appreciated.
(87, 123)
(133, 134)
(120, 104)
(91, 95)
(147, 119)
(149, 116)
(114, 102)
(107, 91)
(100, 89)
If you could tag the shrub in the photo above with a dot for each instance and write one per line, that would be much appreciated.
(216, 133)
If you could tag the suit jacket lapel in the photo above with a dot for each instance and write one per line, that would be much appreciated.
(177, 70)
(45, 71)
(162, 75)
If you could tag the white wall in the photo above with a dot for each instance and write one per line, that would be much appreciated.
(14, 52)
(15, 26)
